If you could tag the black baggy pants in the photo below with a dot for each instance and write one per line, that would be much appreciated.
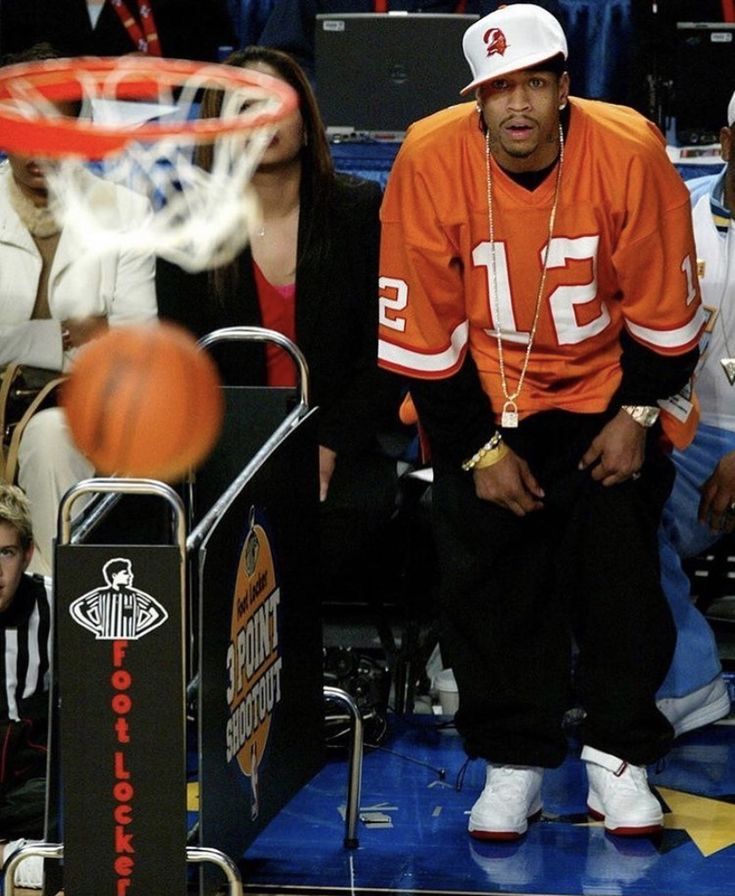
(517, 592)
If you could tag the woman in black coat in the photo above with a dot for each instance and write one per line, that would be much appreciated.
(310, 271)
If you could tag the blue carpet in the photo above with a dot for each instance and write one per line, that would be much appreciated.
(412, 833)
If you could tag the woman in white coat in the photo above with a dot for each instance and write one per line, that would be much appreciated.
(53, 299)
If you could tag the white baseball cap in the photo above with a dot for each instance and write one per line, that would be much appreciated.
(511, 38)
(731, 111)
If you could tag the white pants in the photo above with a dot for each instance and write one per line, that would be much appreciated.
(48, 465)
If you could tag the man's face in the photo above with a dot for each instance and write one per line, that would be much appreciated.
(727, 151)
(521, 112)
(121, 578)
(27, 171)
(28, 174)
(14, 560)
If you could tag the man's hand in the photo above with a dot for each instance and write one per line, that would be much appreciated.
(77, 331)
(509, 483)
(617, 452)
(327, 460)
(718, 496)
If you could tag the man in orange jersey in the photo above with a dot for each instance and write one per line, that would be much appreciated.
(538, 288)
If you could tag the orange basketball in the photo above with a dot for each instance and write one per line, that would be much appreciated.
(144, 401)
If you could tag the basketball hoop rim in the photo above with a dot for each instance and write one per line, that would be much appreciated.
(56, 79)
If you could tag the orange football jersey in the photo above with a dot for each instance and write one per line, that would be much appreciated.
(622, 255)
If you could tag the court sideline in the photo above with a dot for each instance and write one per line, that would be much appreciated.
(416, 795)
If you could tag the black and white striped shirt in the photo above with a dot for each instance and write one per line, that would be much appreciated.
(25, 651)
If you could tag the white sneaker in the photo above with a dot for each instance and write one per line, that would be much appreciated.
(512, 796)
(620, 796)
(29, 872)
(702, 707)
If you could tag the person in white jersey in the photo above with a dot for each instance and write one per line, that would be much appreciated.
(701, 508)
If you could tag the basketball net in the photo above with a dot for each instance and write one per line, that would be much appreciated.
(140, 128)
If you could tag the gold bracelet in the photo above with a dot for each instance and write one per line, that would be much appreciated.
(481, 452)
(492, 457)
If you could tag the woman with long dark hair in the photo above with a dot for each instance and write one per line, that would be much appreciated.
(310, 271)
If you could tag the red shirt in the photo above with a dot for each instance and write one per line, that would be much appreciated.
(278, 312)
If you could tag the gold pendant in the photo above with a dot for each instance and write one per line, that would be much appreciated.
(509, 417)
(728, 365)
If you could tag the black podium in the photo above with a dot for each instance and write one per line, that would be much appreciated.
(260, 697)
(127, 646)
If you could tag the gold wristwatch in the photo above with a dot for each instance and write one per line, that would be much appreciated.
(644, 414)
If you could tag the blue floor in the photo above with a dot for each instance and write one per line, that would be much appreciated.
(412, 832)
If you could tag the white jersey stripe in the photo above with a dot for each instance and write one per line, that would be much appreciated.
(670, 339)
(422, 362)
(11, 672)
(34, 658)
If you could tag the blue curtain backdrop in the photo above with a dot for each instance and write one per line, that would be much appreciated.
(600, 32)
(600, 36)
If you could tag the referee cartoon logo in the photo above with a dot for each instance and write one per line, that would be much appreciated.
(117, 610)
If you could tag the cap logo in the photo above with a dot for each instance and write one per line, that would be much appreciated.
(496, 42)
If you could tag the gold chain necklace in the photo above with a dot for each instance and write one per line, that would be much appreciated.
(509, 417)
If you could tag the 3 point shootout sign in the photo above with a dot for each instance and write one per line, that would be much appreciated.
(254, 662)
(261, 714)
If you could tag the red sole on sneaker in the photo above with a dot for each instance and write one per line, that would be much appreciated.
(636, 832)
(627, 831)
(504, 835)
